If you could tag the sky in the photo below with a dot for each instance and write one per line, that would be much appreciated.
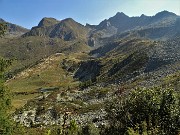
(28, 13)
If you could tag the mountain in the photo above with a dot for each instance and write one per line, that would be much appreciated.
(123, 22)
(48, 38)
(13, 29)
(67, 29)
(162, 26)
(44, 27)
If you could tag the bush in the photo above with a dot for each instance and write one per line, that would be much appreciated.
(90, 129)
(145, 111)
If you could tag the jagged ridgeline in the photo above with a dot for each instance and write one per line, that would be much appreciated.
(62, 70)
(67, 29)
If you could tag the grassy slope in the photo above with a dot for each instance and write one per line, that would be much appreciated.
(47, 74)
(29, 51)
(121, 60)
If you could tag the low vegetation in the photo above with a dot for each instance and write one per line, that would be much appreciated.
(145, 111)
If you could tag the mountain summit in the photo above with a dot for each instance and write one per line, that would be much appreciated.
(47, 22)
(67, 29)
(165, 14)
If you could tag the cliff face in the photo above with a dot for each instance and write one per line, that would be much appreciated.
(88, 70)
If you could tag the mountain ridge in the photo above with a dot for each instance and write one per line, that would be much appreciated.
(66, 29)
(121, 16)
(150, 25)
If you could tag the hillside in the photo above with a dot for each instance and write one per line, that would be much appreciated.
(28, 51)
(49, 74)
(128, 59)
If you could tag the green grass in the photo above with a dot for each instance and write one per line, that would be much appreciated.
(46, 74)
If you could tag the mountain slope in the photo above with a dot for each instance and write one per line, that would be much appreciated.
(29, 50)
(127, 59)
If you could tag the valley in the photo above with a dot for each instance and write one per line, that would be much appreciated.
(63, 71)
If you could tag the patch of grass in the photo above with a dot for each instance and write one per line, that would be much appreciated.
(90, 108)
(46, 74)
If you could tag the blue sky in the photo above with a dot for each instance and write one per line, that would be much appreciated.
(28, 13)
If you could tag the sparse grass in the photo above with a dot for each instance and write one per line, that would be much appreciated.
(96, 93)
(48, 73)
(90, 108)
(20, 100)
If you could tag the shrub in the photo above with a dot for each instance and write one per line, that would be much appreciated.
(151, 111)
(90, 129)
(5, 101)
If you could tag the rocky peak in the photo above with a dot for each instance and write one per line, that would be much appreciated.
(120, 15)
(1, 20)
(119, 18)
(47, 22)
(143, 16)
(104, 24)
(90, 26)
(164, 14)
(69, 20)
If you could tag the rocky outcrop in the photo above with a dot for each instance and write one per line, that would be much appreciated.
(88, 70)
(41, 117)
(31, 119)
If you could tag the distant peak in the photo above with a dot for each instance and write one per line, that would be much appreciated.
(68, 19)
(90, 25)
(1, 20)
(165, 13)
(121, 14)
(143, 15)
(47, 21)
